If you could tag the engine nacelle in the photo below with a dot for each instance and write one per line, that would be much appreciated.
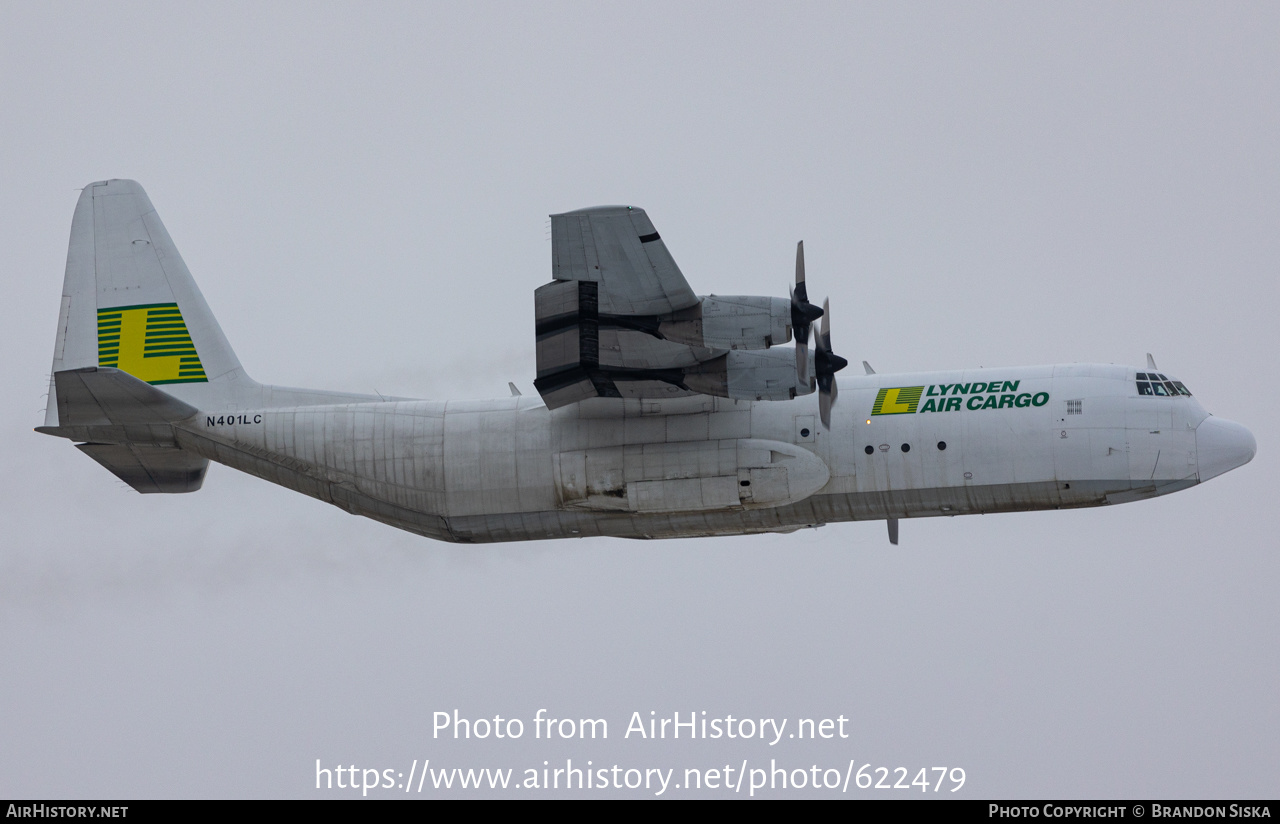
(584, 353)
(749, 376)
(730, 322)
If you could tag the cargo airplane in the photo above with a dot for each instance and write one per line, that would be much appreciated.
(662, 414)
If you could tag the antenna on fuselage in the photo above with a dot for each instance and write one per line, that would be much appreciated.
(1151, 362)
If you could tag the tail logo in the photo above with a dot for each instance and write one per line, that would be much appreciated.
(150, 342)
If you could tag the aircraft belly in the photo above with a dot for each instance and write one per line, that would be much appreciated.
(816, 510)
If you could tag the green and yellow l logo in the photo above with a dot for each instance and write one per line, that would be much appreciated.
(150, 342)
(897, 400)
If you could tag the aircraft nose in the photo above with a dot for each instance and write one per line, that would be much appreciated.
(1222, 446)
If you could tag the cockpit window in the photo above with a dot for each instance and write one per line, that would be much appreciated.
(1154, 383)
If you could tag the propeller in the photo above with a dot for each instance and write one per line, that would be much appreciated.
(803, 314)
(826, 364)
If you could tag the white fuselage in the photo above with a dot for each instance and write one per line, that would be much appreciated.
(978, 441)
(660, 413)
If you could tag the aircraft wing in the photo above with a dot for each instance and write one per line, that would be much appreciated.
(620, 321)
(598, 322)
(617, 248)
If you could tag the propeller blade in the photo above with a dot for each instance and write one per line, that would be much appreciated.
(802, 361)
(800, 271)
(803, 314)
(826, 364)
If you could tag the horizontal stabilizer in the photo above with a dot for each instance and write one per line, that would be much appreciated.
(102, 396)
(150, 468)
(98, 404)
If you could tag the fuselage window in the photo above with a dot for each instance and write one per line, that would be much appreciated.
(1144, 388)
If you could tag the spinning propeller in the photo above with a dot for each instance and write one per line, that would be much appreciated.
(825, 362)
(803, 314)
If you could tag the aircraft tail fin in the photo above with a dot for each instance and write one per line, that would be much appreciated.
(129, 303)
(138, 352)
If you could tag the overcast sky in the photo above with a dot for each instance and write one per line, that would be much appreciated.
(362, 191)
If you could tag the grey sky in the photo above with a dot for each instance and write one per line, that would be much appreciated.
(361, 192)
